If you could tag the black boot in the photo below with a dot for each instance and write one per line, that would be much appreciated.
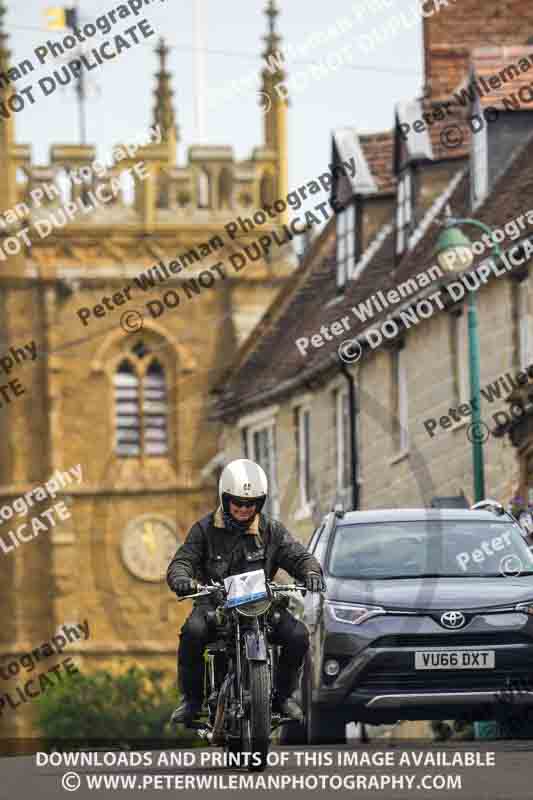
(185, 713)
(190, 683)
(290, 708)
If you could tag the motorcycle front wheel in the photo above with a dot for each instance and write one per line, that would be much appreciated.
(256, 725)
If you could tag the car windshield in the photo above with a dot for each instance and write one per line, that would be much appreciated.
(436, 548)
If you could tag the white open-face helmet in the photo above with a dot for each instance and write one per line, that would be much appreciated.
(243, 480)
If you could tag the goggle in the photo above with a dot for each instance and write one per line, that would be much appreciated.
(242, 502)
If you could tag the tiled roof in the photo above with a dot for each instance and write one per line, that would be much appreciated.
(276, 359)
(311, 271)
(276, 362)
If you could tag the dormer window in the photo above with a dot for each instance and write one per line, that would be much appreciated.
(404, 210)
(346, 241)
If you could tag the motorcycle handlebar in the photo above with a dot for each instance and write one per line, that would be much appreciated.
(286, 587)
(204, 590)
(275, 587)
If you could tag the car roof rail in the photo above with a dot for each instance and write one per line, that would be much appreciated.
(494, 507)
(489, 505)
(338, 510)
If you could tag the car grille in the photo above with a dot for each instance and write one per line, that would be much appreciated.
(440, 680)
(393, 669)
(453, 640)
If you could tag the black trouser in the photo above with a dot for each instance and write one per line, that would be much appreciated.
(289, 632)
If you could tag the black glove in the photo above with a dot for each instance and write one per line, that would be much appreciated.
(185, 586)
(315, 582)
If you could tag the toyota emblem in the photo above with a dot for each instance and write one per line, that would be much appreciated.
(453, 619)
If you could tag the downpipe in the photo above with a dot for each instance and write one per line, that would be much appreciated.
(353, 433)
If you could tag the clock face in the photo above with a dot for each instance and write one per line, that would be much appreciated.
(148, 545)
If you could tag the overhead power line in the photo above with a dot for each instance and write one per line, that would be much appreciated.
(250, 56)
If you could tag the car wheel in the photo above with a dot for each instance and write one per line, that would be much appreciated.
(326, 727)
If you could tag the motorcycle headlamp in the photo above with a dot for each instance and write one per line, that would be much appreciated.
(255, 608)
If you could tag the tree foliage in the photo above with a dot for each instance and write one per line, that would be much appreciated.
(102, 706)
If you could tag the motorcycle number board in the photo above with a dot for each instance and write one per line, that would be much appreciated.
(454, 659)
(245, 587)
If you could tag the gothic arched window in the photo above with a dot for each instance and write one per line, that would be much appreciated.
(127, 416)
(155, 410)
(141, 407)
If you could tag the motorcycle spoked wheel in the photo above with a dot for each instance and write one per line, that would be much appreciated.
(234, 745)
(256, 725)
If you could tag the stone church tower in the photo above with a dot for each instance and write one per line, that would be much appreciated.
(120, 380)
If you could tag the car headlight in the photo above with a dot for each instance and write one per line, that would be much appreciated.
(525, 608)
(345, 612)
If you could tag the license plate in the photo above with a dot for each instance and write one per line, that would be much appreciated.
(454, 659)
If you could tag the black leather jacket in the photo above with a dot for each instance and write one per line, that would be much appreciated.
(211, 552)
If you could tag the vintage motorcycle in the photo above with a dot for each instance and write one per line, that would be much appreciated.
(241, 673)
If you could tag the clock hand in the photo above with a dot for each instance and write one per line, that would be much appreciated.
(148, 538)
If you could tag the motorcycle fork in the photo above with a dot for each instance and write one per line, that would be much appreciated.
(211, 671)
(210, 689)
(238, 669)
(273, 655)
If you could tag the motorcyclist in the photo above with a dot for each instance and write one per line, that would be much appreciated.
(236, 538)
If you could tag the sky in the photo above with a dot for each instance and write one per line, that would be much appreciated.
(361, 94)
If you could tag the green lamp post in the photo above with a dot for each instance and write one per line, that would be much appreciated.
(454, 254)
